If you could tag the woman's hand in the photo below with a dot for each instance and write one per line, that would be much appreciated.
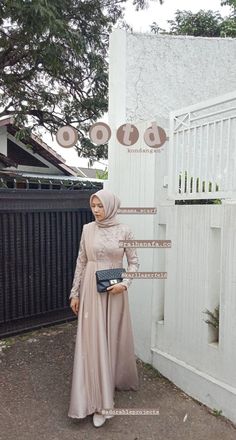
(74, 304)
(117, 288)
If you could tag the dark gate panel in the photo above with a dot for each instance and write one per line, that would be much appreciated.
(38, 251)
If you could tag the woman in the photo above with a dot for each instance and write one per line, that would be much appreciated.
(104, 356)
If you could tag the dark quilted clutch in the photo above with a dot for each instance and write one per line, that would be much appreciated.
(108, 277)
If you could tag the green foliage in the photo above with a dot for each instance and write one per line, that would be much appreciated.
(153, 371)
(142, 4)
(231, 3)
(53, 63)
(228, 27)
(103, 174)
(202, 23)
(198, 187)
(213, 317)
(217, 412)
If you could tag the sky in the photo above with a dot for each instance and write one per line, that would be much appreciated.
(140, 22)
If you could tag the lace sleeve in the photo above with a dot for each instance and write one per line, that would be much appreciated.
(79, 269)
(132, 260)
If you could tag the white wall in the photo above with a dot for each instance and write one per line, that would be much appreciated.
(149, 77)
(201, 274)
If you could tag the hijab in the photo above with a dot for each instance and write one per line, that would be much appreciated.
(111, 204)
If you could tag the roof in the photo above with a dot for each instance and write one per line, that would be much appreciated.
(87, 172)
(7, 161)
(27, 180)
(39, 146)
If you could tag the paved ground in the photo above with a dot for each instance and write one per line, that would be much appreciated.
(35, 375)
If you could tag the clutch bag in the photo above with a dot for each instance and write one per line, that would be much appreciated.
(108, 277)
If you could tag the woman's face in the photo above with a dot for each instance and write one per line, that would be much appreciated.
(97, 208)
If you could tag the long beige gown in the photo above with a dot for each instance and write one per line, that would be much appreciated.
(104, 358)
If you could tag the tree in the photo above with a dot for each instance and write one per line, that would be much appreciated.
(228, 26)
(53, 63)
(202, 23)
(231, 3)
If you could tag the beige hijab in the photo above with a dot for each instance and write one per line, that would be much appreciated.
(111, 204)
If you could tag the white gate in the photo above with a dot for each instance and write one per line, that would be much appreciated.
(202, 150)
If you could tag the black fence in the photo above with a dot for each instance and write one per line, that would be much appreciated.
(39, 240)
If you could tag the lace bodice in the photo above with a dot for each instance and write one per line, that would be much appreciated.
(106, 248)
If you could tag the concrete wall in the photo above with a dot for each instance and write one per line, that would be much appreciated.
(149, 77)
